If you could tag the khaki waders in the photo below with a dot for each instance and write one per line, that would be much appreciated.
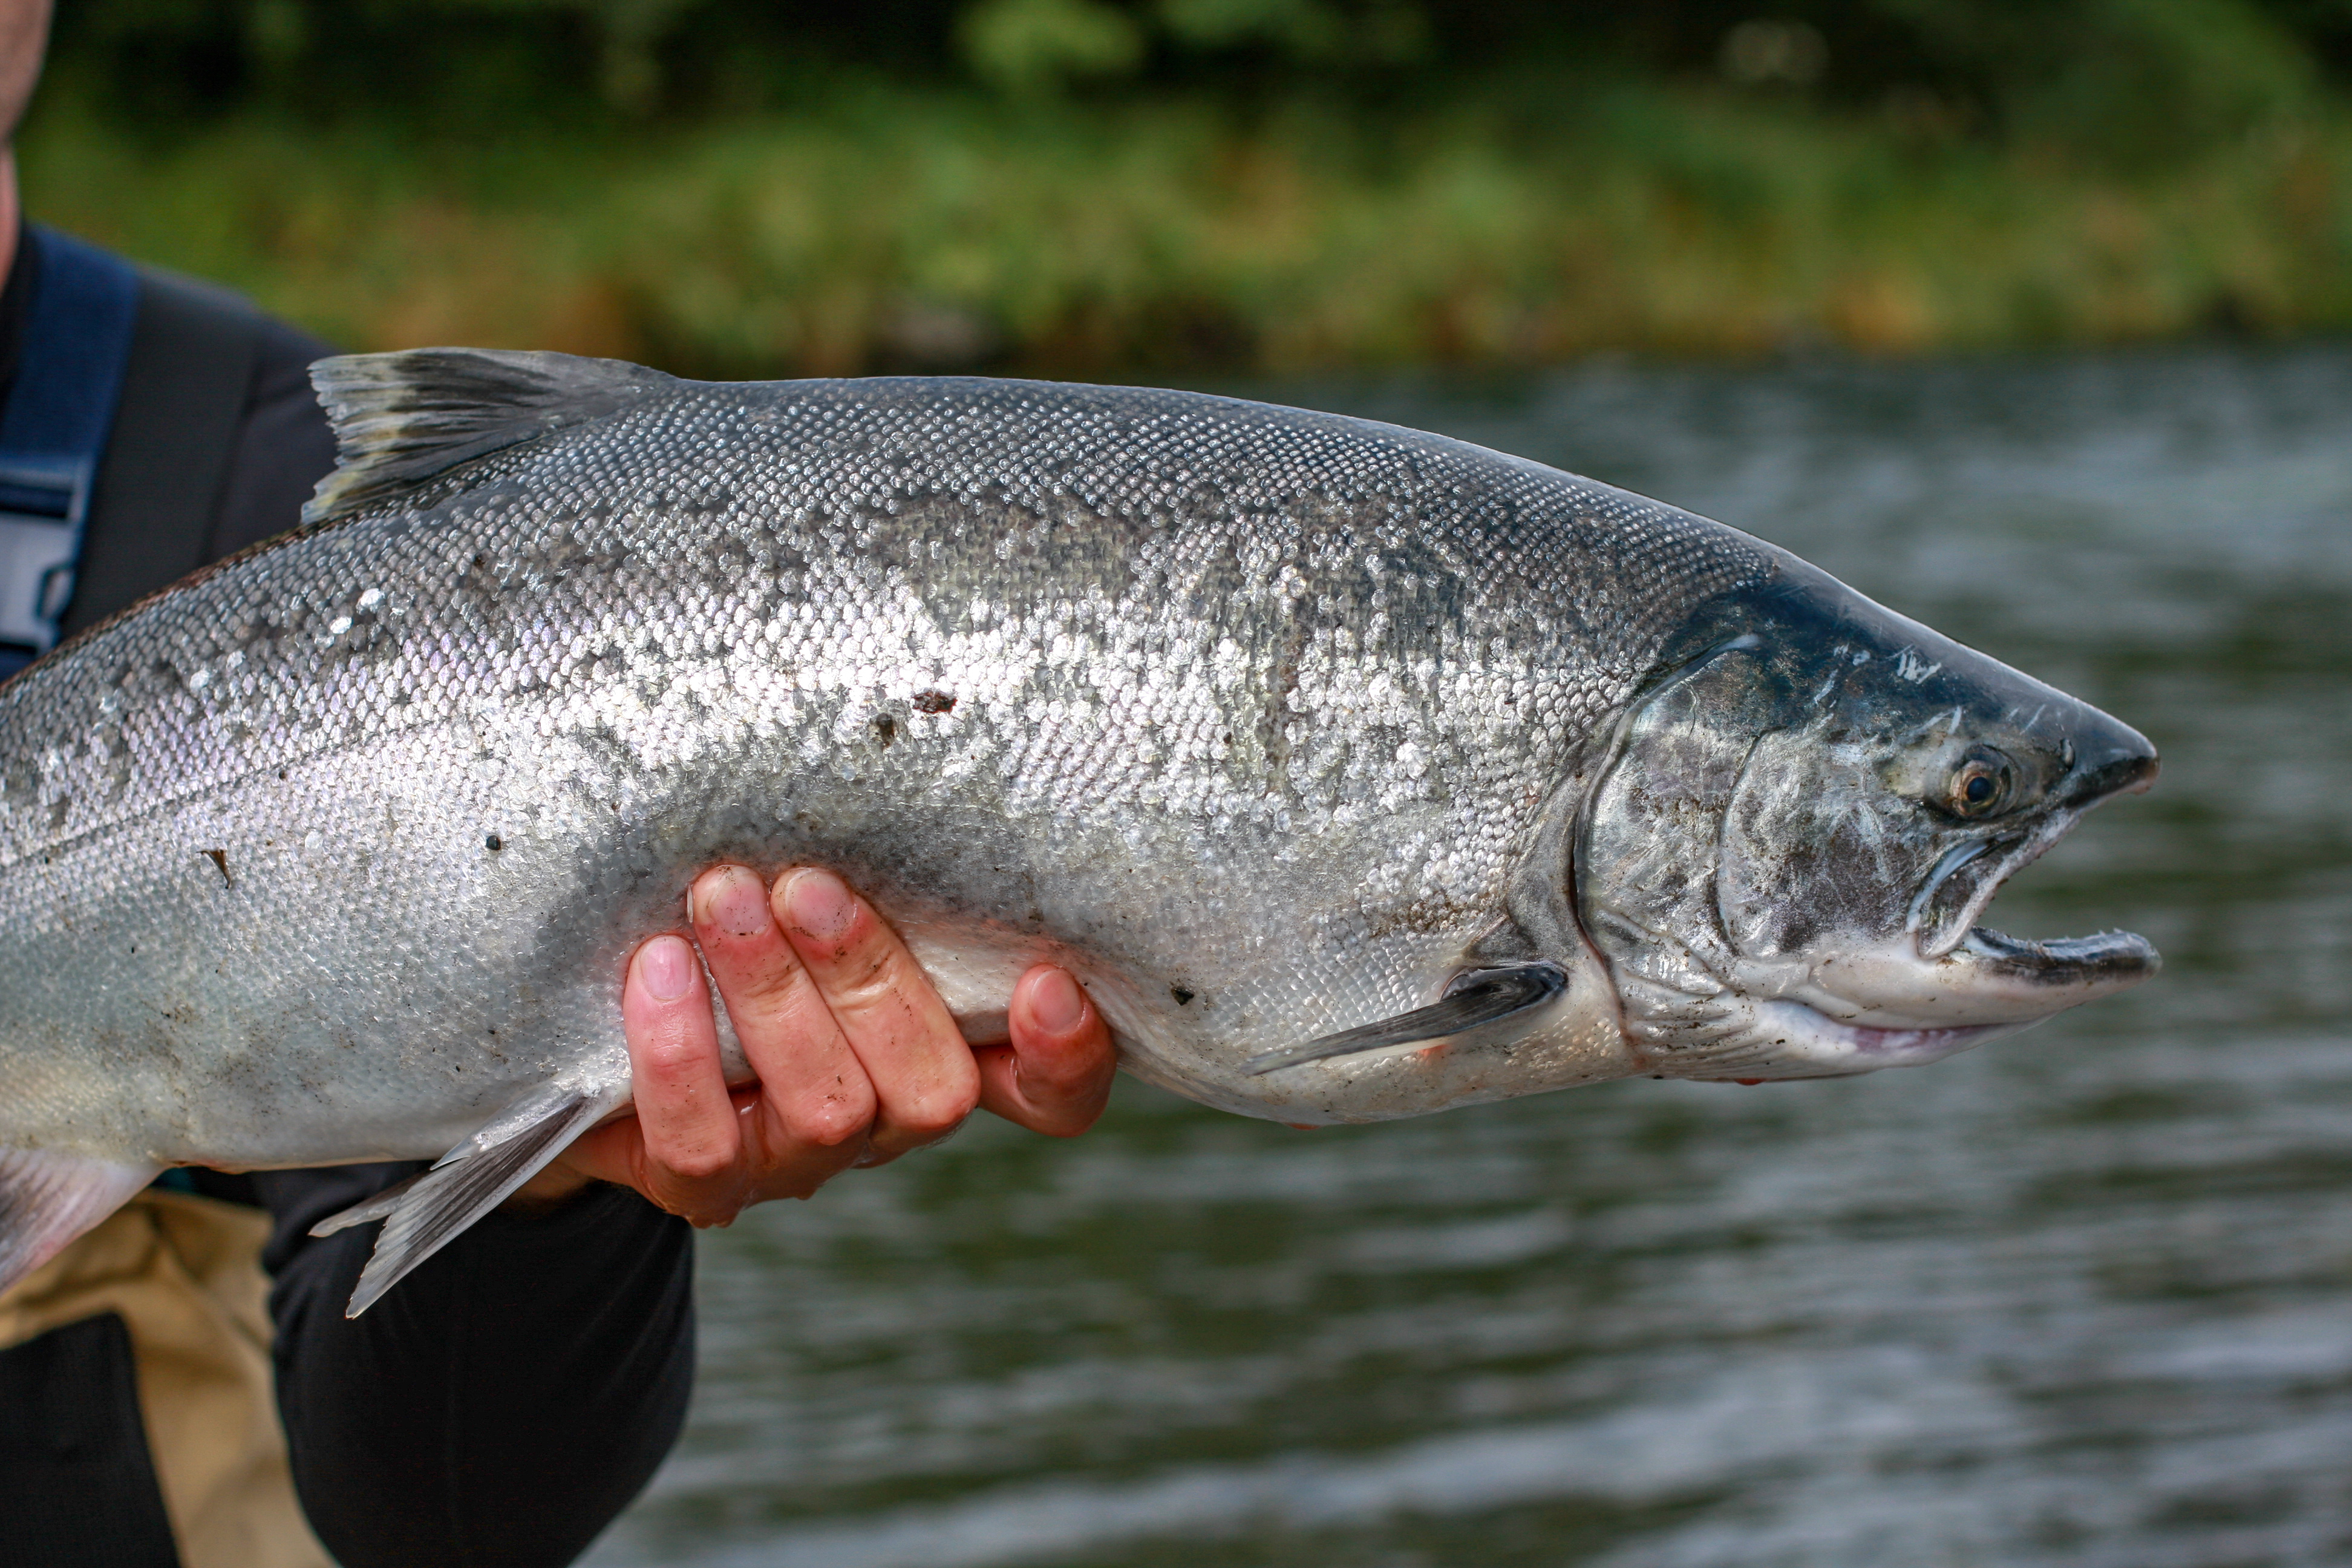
(184, 1273)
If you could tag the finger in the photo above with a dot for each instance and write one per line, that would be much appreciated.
(924, 1080)
(615, 1152)
(811, 1081)
(1056, 1075)
(689, 1134)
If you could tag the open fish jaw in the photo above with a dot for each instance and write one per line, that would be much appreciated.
(2099, 964)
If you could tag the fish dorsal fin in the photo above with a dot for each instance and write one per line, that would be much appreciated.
(401, 419)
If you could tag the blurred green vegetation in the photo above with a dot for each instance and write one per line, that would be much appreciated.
(1101, 187)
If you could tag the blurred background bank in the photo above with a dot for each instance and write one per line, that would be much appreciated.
(1162, 187)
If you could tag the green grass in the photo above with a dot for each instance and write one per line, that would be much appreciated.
(898, 229)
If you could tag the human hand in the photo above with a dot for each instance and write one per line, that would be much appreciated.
(857, 1059)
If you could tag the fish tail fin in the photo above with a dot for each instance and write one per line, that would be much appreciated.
(403, 418)
(428, 1212)
(46, 1199)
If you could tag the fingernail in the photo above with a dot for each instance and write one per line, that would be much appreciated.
(733, 901)
(819, 903)
(666, 967)
(1055, 1003)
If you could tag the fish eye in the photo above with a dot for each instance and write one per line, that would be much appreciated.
(1981, 786)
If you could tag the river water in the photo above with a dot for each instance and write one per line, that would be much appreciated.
(2082, 1297)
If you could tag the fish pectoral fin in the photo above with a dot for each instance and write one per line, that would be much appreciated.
(428, 1211)
(46, 1199)
(1473, 1005)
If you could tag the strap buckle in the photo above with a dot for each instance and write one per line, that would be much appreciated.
(43, 502)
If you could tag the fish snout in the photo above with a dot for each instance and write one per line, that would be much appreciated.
(2109, 758)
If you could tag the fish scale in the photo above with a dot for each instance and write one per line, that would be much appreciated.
(1262, 721)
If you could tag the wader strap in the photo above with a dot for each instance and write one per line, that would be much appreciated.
(184, 394)
(53, 430)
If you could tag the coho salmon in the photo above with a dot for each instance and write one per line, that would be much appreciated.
(1356, 773)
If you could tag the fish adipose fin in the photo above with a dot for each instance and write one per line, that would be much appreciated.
(48, 1199)
(1477, 1002)
(428, 1212)
(401, 419)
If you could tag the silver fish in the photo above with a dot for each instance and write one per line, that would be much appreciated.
(1356, 773)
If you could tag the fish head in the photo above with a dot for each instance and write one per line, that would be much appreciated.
(1805, 812)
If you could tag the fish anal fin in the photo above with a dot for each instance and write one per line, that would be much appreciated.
(429, 1210)
(46, 1199)
(1479, 1004)
(401, 419)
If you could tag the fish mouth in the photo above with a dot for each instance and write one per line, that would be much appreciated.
(1944, 913)
(1946, 971)
(1981, 978)
(1944, 933)
(1865, 1011)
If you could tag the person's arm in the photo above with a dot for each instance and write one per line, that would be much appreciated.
(506, 1400)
